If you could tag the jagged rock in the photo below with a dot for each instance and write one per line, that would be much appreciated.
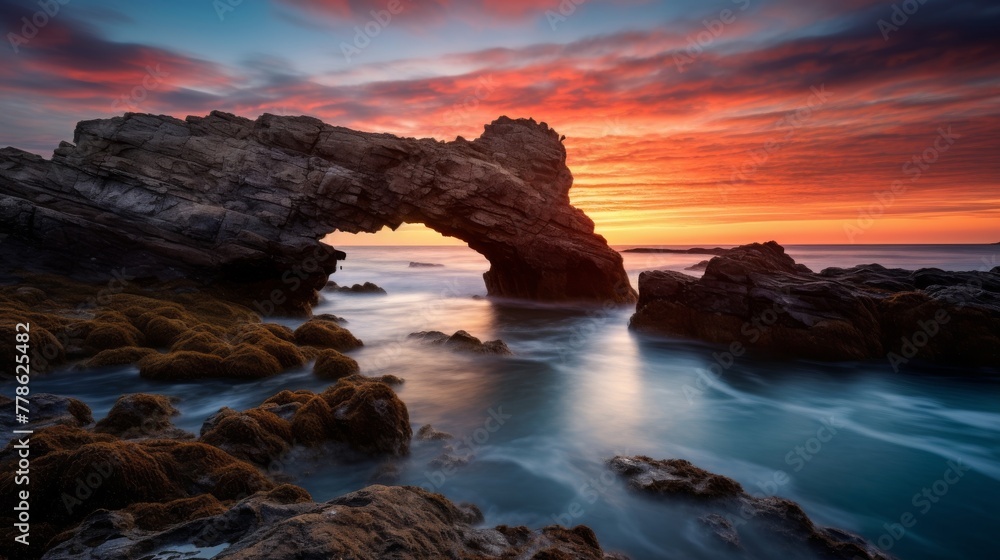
(44, 410)
(759, 298)
(730, 511)
(701, 265)
(244, 203)
(427, 432)
(400, 522)
(464, 342)
(366, 288)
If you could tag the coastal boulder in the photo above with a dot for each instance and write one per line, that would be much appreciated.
(463, 342)
(326, 334)
(364, 414)
(141, 415)
(46, 410)
(729, 512)
(760, 298)
(331, 364)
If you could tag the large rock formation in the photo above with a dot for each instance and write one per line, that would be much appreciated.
(247, 202)
(755, 298)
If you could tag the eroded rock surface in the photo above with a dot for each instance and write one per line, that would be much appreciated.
(764, 526)
(760, 298)
(374, 522)
(224, 198)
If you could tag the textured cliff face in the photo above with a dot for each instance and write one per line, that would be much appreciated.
(226, 198)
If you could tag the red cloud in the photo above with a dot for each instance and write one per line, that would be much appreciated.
(645, 141)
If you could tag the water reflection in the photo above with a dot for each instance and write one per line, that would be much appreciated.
(582, 388)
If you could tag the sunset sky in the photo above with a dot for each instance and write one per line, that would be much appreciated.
(687, 122)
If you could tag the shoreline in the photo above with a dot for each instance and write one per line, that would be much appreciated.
(138, 421)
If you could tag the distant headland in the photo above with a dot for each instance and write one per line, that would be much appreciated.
(692, 251)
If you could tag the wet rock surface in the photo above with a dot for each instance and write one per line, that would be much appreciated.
(761, 526)
(46, 410)
(366, 288)
(362, 413)
(760, 298)
(463, 342)
(141, 415)
(374, 522)
(84, 471)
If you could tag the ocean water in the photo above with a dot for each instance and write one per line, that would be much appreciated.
(582, 388)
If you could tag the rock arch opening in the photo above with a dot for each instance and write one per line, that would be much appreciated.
(207, 196)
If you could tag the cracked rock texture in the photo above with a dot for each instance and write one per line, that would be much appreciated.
(231, 200)
(756, 298)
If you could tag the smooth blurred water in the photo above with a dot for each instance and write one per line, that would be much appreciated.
(582, 388)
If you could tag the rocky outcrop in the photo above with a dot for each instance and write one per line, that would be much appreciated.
(365, 414)
(75, 472)
(142, 416)
(463, 342)
(45, 410)
(730, 512)
(374, 522)
(755, 298)
(331, 364)
(700, 265)
(366, 288)
(244, 204)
